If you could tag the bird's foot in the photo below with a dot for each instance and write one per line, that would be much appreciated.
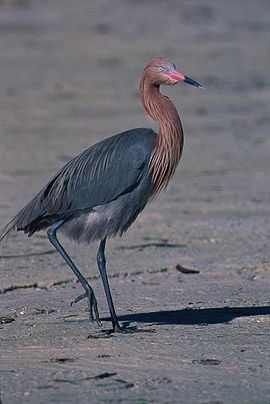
(122, 330)
(117, 328)
(92, 303)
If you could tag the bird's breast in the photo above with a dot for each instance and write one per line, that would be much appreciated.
(110, 219)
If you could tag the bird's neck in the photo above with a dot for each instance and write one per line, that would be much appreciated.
(170, 140)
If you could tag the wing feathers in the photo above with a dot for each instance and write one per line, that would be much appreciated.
(98, 175)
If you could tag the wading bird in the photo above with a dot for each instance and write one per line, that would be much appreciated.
(100, 193)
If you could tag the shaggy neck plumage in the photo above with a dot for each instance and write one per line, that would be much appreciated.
(168, 149)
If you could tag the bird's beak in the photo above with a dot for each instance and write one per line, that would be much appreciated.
(178, 76)
(192, 82)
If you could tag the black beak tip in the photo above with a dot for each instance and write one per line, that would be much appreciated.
(194, 83)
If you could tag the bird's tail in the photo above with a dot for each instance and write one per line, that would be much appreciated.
(16, 224)
(40, 212)
(9, 229)
(31, 213)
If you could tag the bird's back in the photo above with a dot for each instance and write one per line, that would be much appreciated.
(107, 177)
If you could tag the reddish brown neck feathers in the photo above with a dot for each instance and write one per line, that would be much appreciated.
(168, 149)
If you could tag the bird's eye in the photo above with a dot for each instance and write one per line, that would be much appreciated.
(159, 68)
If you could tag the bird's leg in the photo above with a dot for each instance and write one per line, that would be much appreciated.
(89, 293)
(101, 261)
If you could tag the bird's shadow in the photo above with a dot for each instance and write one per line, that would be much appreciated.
(194, 316)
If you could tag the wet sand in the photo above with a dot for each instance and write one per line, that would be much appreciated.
(69, 77)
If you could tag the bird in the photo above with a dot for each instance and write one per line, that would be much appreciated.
(100, 192)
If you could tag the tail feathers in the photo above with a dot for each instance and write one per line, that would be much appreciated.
(32, 212)
(9, 229)
(39, 213)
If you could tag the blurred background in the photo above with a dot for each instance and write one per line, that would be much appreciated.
(69, 77)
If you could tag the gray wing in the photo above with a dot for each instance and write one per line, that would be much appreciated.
(97, 176)
(100, 174)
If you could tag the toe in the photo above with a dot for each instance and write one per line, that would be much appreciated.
(83, 296)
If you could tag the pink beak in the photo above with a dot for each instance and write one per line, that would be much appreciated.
(176, 75)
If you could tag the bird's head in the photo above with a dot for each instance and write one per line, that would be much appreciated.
(161, 71)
